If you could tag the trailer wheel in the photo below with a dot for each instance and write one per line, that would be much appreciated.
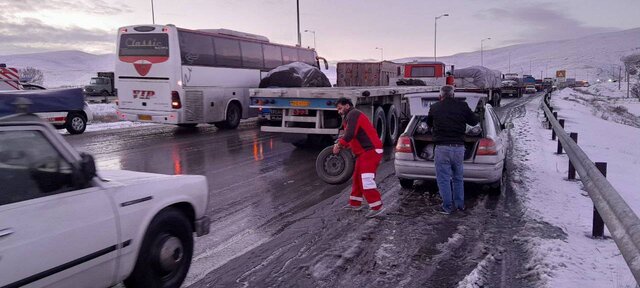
(380, 123)
(393, 126)
(335, 169)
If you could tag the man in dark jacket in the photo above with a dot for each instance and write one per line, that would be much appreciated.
(449, 118)
(362, 138)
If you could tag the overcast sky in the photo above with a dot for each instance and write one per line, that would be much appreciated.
(344, 29)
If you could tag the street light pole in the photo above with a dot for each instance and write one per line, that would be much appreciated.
(153, 16)
(381, 53)
(314, 37)
(481, 51)
(435, 33)
(298, 14)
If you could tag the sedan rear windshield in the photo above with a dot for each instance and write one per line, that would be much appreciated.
(147, 44)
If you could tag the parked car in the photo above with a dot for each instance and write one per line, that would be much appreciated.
(484, 158)
(61, 225)
(530, 89)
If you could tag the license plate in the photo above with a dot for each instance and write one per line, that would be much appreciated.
(144, 117)
(300, 103)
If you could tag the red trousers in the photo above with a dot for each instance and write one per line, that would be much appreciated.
(364, 180)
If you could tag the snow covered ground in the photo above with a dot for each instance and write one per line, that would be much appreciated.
(598, 114)
(607, 133)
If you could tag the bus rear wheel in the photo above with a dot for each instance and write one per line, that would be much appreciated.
(232, 120)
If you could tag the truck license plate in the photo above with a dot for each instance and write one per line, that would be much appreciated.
(144, 117)
(299, 103)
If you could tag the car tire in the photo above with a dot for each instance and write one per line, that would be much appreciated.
(393, 126)
(169, 231)
(380, 123)
(335, 168)
(76, 123)
(406, 183)
(232, 119)
(499, 186)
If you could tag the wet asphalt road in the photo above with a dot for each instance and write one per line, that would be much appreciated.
(276, 224)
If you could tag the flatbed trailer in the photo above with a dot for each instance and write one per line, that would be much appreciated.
(309, 114)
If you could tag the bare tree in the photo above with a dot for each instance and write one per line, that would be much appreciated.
(31, 75)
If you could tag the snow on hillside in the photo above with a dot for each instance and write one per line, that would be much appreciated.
(63, 68)
(587, 58)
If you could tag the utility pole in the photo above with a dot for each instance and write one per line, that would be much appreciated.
(509, 62)
(381, 53)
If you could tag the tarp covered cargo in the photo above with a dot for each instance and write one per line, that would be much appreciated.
(296, 74)
(58, 100)
(477, 77)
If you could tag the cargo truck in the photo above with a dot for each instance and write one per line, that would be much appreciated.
(102, 85)
(367, 73)
(479, 79)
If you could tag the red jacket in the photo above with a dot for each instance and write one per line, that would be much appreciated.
(359, 133)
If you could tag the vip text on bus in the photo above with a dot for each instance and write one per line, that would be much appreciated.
(171, 75)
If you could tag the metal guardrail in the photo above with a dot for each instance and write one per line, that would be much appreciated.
(621, 221)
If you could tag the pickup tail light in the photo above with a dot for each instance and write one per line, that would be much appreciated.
(487, 147)
(404, 145)
(175, 100)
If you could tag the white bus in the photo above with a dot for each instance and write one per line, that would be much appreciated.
(166, 74)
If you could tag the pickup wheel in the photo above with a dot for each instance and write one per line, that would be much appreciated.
(380, 123)
(165, 253)
(76, 123)
(335, 169)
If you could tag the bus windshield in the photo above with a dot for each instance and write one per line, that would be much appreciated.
(154, 44)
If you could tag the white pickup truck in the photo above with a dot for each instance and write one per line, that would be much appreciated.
(62, 225)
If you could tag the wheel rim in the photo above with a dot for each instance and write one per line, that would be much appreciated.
(170, 254)
(334, 165)
(77, 123)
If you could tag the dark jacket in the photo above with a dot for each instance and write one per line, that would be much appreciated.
(448, 118)
(359, 133)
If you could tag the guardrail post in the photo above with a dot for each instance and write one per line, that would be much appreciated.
(598, 223)
(572, 170)
(559, 150)
(553, 132)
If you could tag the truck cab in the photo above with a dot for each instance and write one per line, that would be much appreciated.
(102, 85)
(431, 73)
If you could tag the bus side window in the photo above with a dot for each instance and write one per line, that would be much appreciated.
(272, 56)
(227, 52)
(289, 55)
(252, 55)
(307, 57)
(196, 49)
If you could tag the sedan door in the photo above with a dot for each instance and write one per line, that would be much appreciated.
(51, 233)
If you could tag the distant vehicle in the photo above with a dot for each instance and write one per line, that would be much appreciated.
(63, 108)
(479, 79)
(530, 89)
(172, 75)
(102, 85)
(432, 73)
(367, 73)
(484, 159)
(67, 227)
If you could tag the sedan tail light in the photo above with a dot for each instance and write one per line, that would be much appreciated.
(487, 147)
(175, 100)
(404, 145)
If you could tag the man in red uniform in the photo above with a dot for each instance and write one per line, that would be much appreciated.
(360, 135)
